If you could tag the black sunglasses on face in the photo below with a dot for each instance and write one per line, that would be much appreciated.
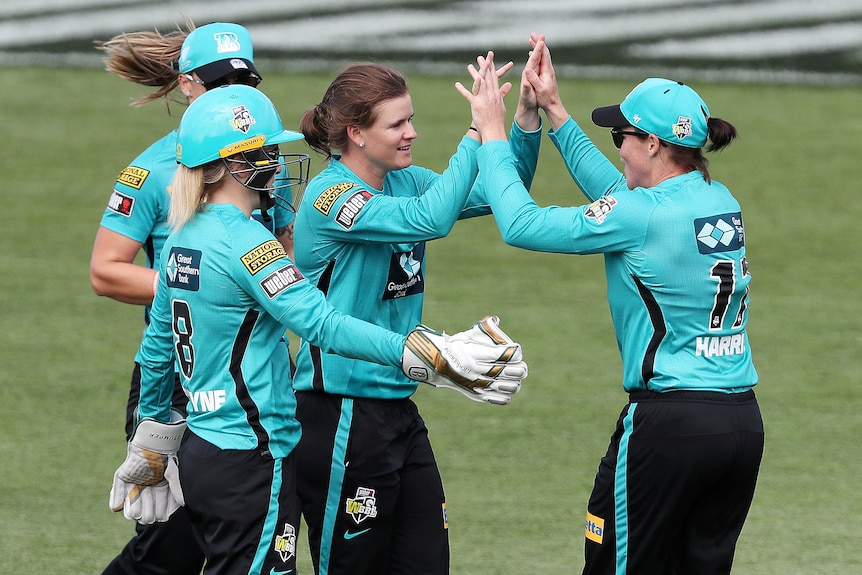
(247, 79)
(618, 136)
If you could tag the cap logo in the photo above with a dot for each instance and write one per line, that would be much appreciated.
(637, 118)
(226, 42)
(238, 64)
(242, 119)
(682, 128)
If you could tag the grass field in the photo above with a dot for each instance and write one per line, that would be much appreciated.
(517, 478)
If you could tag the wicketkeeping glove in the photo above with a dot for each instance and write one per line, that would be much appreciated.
(146, 485)
(483, 363)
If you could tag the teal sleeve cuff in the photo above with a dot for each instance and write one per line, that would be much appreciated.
(569, 124)
(469, 143)
(537, 131)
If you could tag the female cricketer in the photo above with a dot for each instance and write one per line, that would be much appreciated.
(674, 488)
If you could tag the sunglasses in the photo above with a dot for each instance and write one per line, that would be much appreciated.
(247, 79)
(618, 136)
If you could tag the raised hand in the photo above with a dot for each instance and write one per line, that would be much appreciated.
(486, 97)
(527, 113)
(543, 81)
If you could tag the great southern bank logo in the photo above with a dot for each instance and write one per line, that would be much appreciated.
(184, 269)
(721, 233)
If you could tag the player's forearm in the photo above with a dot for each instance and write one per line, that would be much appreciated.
(527, 118)
(156, 358)
(591, 170)
(522, 223)
(304, 311)
(557, 115)
(450, 190)
(124, 282)
(525, 148)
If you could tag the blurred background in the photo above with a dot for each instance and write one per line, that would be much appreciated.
(771, 41)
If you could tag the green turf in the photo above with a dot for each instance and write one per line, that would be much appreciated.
(517, 478)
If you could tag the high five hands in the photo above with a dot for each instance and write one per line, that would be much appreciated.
(486, 97)
(538, 91)
(539, 80)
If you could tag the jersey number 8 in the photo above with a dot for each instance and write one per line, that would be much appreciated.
(183, 330)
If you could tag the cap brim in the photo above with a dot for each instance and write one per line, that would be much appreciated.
(213, 71)
(609, 117)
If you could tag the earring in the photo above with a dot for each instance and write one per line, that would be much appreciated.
(188, 94)
(361, 144)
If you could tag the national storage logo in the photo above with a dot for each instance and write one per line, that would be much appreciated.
(133, 177)
(326, 199)
(258, 258)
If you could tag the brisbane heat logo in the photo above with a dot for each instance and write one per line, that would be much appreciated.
(226, 42)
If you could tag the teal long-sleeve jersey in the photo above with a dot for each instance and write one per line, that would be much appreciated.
(138, 206)
(365, 249)
(678, 278)
(226, 293)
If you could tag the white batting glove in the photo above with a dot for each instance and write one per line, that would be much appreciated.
(474, 366)
(142, 484)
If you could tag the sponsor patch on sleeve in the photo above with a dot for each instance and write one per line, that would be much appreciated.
(133, 177)
(721, 233)
(261, 256)
(184, 269)
(121, 203)
(349, 210)
(280, 280)
(600, 209)
(326, 199)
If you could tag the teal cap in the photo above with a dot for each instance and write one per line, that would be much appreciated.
(670, 110)
(215, 50)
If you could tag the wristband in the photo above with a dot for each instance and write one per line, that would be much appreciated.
(474, 129)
